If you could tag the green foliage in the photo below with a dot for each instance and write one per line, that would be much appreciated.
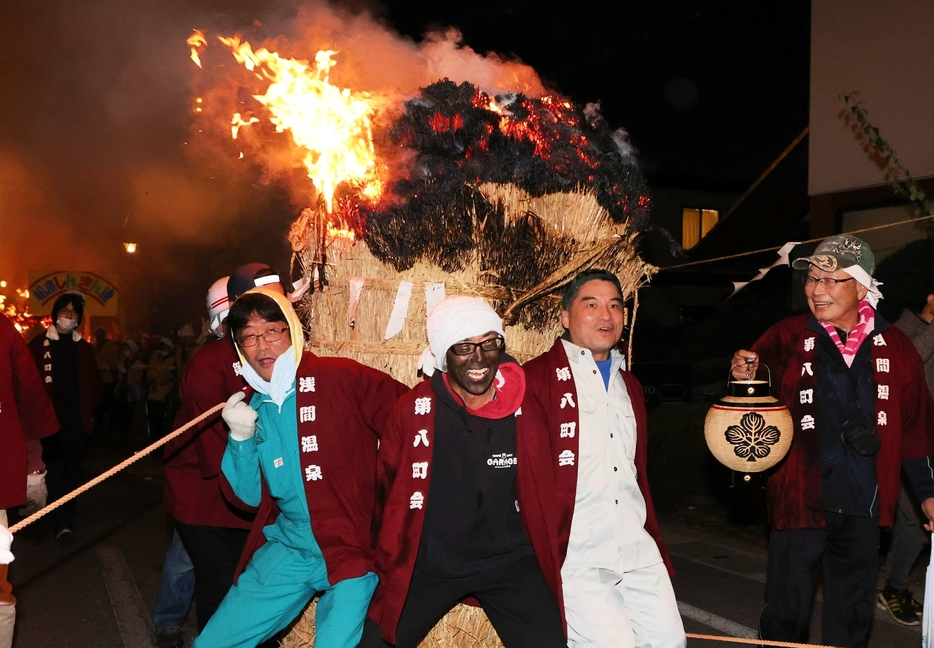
(898, 177)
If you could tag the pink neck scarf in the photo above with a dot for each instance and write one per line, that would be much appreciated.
(867, 322)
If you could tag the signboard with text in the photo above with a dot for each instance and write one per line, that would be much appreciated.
(99, 290)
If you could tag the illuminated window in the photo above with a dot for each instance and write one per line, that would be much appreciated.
(695, 223)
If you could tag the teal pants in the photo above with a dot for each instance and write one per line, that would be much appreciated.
(275, 588)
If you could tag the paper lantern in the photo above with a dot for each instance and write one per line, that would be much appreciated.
(748, 430)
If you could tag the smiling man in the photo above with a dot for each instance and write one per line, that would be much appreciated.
(588, 413)
(856, 390)
(449, 517)
(304, 452)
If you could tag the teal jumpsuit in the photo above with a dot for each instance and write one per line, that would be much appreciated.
(287, 571)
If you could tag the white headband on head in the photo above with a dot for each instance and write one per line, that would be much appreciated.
(864, 278)
(452, 320)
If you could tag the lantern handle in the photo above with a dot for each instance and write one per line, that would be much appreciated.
(729, 375)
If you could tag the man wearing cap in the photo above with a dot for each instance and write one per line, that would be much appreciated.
(452, 521)
(588, 414)
(304, 452)
(212, 531)
(855, 388)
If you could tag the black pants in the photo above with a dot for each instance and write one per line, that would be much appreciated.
(63, 453)
(155, 412)
(516, 598)
(848, 547)
(214, 553)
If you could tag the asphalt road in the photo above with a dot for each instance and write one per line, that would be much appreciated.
(100, 593)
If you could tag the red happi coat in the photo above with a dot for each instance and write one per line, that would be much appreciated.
(904, 418)
(25, 413)
(192, 488)
(549, 378)
(342, 409)
(404, 478)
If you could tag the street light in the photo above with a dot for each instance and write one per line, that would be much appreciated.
(130, 247)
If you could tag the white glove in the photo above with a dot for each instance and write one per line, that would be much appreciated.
(240, 417)
(6, 539)
(36, 493)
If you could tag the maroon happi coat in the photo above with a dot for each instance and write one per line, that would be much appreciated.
(342, 408)
(549, 378)
(89, 384)
(192, 488)
(26, 412)
(904, 418)
(404, 478)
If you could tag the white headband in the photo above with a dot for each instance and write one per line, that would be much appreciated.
(452, 320)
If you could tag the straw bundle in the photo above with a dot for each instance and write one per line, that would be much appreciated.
(572, 233)
(465, 626)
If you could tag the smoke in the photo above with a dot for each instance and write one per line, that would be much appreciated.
(100, 143)
(369, 58)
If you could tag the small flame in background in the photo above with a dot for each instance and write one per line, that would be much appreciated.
(333, 126)
(198, 42)
(20, 315)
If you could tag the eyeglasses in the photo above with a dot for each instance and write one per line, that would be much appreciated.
(468, 348)
(826, 282)
(272, 335)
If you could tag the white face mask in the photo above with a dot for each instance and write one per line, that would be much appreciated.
(66, 325)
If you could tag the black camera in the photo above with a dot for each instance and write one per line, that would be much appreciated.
(861, 436)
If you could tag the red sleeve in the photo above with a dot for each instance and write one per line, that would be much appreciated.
(36, 413)
(917, 406)
(388, 458)
(202, 387)
(378, 393)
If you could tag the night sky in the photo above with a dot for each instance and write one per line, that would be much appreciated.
(98, 142)
(707, 89)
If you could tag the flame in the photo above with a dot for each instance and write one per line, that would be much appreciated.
(21, 318)
(331, 124)
(340, 232)
(237, 122)
(198, 42)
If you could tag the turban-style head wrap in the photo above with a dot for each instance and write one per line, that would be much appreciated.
(452, 320)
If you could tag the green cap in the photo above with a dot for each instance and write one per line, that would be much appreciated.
(839, 252)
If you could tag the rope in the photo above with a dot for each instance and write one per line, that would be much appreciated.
(97, 480)
(19, 526)
(814, 240)
(757, 642)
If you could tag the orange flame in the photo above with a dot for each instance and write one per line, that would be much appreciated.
(236, 122)
(331, 124)
(21, 318)
(198, 42)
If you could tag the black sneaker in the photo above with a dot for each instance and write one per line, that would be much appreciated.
(899, 605)
(171, 637)
(915, 605)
